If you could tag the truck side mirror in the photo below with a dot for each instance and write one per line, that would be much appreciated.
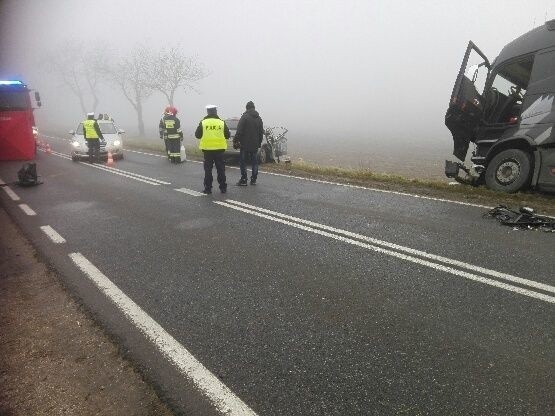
(37, 98)
(72, 132)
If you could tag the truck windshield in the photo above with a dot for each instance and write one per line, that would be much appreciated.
(13, 100)
(504, 97)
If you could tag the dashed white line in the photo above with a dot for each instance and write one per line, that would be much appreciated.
(223, 399)
(27, 209)
(190, 192)
(422, 262)
(11, 193)
(446, 260)
(52, 234)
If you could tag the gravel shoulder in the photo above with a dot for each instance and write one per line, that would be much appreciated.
(54, 359)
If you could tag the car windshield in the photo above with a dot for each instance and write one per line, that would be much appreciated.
(105, 128)
(232, 124)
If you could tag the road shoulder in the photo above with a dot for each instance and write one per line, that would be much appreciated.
(54, 359)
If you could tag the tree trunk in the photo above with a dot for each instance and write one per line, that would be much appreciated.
(139, 107)
(82, 103)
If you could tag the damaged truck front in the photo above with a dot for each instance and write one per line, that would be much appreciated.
(506, 109)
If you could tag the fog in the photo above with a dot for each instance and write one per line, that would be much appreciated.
(340, 75)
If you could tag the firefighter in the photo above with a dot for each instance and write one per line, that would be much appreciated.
(213, 134)
(170, 131)
(93, 135)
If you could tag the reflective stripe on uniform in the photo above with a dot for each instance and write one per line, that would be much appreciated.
(174, 136)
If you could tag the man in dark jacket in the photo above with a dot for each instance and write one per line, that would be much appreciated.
(250, 132)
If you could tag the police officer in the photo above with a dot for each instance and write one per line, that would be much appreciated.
(93, 135)
(213, 134)
(170, 130)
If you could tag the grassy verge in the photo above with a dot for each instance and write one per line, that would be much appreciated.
(543, 203)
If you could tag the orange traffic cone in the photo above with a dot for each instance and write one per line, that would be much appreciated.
(110, 161)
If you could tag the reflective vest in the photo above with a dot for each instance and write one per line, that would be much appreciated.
(213, 137)
(89, 130)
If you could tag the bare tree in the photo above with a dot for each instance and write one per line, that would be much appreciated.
(171, 70)
(80, 71)
(130, 74)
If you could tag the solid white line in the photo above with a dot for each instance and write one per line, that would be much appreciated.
(27, 210)
(190, 192)
(52, 234)
(114, 171)
(145, 153)
(223, 399)
(139, 176)
(11, 193)
(492, 273)
(416, 260)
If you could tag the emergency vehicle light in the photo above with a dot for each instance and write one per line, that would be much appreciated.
(14, 82)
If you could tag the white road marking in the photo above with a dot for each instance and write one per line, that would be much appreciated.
(223, 399)
(345, 185)
(145, 153)
(126, 174)
(190, 192)
(2, 182)
(52, 234)
(27, 209)
(422, 262)
(446, 260)
(11, 193)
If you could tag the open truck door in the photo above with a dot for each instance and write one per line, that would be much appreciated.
(466, 107)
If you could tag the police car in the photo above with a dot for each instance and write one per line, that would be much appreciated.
(231, 124)
(113, 142)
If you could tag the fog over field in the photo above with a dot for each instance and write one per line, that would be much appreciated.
(357, 83)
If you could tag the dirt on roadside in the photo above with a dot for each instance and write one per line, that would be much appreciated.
(54, 360)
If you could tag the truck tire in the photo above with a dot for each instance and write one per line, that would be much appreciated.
(509, 171)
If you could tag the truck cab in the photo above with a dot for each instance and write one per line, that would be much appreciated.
(17, 122)
(506, 109)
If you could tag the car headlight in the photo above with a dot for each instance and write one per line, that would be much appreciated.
(75, 144)
(35, 132)
(117, 142)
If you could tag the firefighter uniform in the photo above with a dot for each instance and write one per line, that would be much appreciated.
(213, 134)
(170, 129)
(93, 135)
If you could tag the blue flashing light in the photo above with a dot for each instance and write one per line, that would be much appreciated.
(14, 82)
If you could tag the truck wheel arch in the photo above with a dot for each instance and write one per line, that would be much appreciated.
(522, 143)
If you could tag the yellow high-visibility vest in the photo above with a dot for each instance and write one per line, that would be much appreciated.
(213, 137)
(89, 130)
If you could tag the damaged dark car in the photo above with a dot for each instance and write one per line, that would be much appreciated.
(506, 109)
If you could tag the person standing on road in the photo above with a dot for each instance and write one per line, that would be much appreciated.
(170, 131)
(93, 135)
(213, 134)
(249, 135)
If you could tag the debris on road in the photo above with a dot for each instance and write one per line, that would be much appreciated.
(524, 218)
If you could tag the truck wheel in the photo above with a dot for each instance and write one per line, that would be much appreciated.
(509, 171)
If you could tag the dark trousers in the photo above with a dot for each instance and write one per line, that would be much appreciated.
(244, 156)
(94, 149)
(167, 144)
(212, 157)
(174, 149)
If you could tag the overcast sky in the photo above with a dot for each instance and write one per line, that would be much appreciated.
(325, 69)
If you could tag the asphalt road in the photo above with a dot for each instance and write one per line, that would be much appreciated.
(298, 297)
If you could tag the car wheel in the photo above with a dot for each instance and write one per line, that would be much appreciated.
(262, 155)
(509, 171)
(74, 158)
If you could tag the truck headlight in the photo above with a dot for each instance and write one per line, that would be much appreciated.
(75, 144)
(117, 142)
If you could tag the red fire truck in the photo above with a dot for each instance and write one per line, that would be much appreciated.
(17, 123)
